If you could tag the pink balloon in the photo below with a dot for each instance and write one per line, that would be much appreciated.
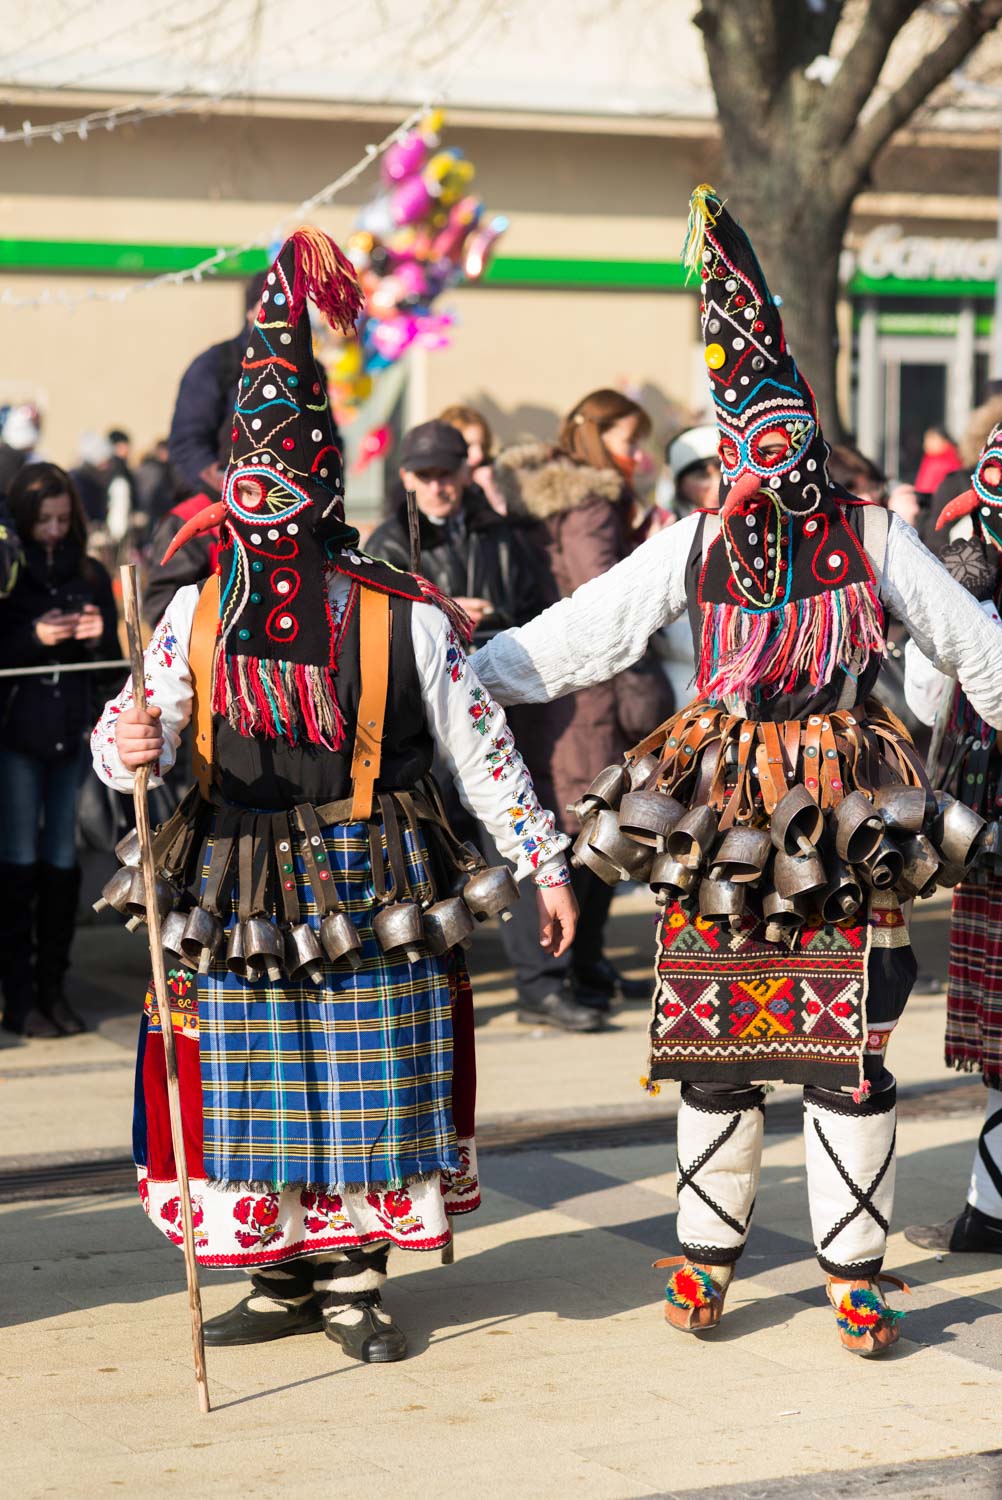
(462, 217)
(405, 158)
(372, 446)
(480, 249)
(411, 201)
(394, 337)
(412, 278)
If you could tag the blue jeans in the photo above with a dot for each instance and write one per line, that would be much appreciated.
(38, 809)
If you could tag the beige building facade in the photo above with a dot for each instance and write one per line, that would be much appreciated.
(586, 290)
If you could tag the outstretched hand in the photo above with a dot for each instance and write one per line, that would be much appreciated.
(558, 918)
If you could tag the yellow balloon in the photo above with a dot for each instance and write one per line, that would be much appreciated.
(363, 388)
(348, 362)
(715, 356)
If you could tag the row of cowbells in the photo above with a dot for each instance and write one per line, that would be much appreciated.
(902, 840)
(404, 929)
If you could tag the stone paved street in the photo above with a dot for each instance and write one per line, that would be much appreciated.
(540, 1365)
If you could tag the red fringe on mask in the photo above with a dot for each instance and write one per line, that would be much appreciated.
(326, 276)
(454, 613)
(774, 650)
(278, 700)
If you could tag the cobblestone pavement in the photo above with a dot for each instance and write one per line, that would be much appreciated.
(540, 1362)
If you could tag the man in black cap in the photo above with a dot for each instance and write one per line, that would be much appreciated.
(467, 549)
(491, 566)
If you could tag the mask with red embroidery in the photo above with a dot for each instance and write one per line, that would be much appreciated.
(983, 501)
(282, 510)
(787, 592)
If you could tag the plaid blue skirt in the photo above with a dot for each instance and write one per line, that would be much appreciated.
(342, 1084)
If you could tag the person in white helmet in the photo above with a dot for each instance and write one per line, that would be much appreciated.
(692, 483)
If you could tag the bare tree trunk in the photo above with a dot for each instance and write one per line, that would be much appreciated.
(797, 151)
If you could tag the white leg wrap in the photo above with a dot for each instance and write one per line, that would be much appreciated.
(850, 1178)
(719, 1159)
(985, 1192)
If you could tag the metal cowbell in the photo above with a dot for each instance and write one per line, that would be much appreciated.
(304, 957)
(490, 892)
(399, 931)
(202, 937)
(858, 829)
(649, 816)
(448, 924)
(797, 822)
(340, 939)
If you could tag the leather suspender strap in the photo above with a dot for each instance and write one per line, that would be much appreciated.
(771, 766)
(374, 650)
(318, 870)
(201, 650)
(285, 865)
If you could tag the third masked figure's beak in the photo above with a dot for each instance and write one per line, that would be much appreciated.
(744, 488)
(206, 520)
(961, 506)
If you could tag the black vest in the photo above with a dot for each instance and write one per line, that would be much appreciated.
(274, 774)
(805, 699)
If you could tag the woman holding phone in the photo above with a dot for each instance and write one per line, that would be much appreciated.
(61, 611)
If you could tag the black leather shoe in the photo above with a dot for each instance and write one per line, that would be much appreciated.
(244, 1325)
(365, 1332)
(62, 1014)
(563, 1012)
(34, 1024)
(604, 979)
(971, 1232)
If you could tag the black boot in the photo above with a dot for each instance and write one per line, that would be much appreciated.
(562, 1010)
(55, 924)
(601, 981)
(281, 1304)
(17, 909)
(971, 1232)
(363, 1330)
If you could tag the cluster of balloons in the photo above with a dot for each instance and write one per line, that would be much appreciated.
(423, 233)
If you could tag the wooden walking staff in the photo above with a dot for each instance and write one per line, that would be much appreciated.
(130, 597)
(414, 537)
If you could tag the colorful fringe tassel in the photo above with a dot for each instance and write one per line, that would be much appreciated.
(861, 1312)
(691, 1288)
(772, 651)
(326, 276)
(454, 613)
(278, 700)
(700, 215)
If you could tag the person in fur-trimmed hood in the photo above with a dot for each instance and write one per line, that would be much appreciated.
(579, 493)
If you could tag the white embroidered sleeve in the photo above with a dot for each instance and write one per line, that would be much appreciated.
(600, 630)
(473, 737)
(168, 686)
(945, 621)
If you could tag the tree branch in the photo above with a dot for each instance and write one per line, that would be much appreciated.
(976, 20)
(857, 77)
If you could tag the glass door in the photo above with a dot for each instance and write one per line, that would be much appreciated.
(917, 378)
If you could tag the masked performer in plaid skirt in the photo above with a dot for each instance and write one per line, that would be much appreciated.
(966, 761)
(784, 816)
(315, 899)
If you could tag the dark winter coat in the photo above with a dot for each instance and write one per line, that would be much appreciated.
(202, 425)
(484, 556)
(203, 412)
(48, 716)
(190, 564)
(582, 521)
(949, 488)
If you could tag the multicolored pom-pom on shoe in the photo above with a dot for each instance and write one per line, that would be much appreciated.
(866, 1325)
(694, 1295)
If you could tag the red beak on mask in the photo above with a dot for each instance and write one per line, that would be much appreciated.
(206, 520)
(744, 488)
(961, 506)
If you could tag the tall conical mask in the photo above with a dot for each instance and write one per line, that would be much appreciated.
(769, 432)
(282, 509)
(788, 596)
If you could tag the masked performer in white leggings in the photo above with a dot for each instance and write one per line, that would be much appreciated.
(784, 816)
